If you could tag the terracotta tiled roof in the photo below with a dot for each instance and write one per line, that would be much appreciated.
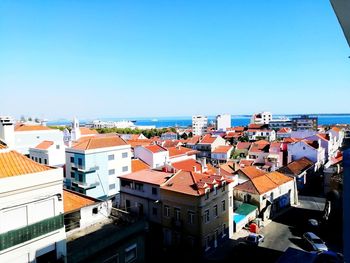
(13, 163)
(260, 146)
(252, 172)
(285, 130)
(256, 126)
(265, 183)
(208, 139)
(245, 162)
(23, 127)
(155, 148)
(243, 145)
(138, 165)
(139, 142)
(171, 143)
(336, 129)
(291, 140)
(73, 201)
(248, 187)
(238, 129)
(313, 144)
(223, 149)
(148, 176)
(297, 167)
(176, 151)
(278, 178)
(44, 145)
(228, 167)
(184, 182)
(87, 131)
(96, 142)
(187, 165)
(195, 139)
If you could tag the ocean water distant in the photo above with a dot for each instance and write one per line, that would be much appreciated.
(163, 122)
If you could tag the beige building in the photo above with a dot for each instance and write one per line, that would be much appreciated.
(197, 211)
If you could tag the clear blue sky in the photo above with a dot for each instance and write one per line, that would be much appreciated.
(171, 58)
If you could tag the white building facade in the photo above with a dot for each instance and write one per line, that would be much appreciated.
(31, 213)
(223, 122)
(261, 118)
(199, 124)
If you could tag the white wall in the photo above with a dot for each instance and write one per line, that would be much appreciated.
(29, 139)
(152, 159)
(27, 199)
(54, 156)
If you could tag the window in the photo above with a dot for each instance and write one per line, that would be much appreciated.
(215, 189)
(223, 205)
(166, 211)
(190, 217)
(72, 159)
(230, 201)
(57, 147)
(207, 191)
(45, 161)
(154, 191)
(247, 198)
(80, 161)
(81, 178)
(207, 241)
(131, 253)
(177, 214)
(206, 216)
(223, 186)
(36, 159)
(139, 186)
(215, 210)
(154, 211)
(72, 175)
(126, 183)
(125, 168)
(39, 160)
(110, 157)
(223, 230)
(111, 186)
(125, 155)
(111, 171)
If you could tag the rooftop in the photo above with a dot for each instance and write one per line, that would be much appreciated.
(73, 201)
(138, 165)
(223, 149)
(87, 131)
(155, 148)
(208, 139)
(187, 165)
(176, 151)
(13, 163)
(148, 176)
(297, 167)
(251, 172)
(243, 145)
(44, 145)
(96, 142)
(24, 127)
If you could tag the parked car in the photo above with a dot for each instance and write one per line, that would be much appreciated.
(255, 239)
(316, 242)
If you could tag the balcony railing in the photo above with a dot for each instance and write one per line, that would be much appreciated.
(84, 184)
(23, 234)
(82, 169)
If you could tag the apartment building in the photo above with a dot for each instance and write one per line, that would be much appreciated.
(223, 122)
(199, 124)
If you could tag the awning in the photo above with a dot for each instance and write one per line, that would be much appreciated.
(243, 211)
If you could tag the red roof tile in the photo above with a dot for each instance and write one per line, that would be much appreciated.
(177, 151)
(187, 165)
(243, 145)
(208, 139)
(44, 145)
(23, 127)
(251, 172)
(297, 167)
(73, 201)
(223, 149)
(87, 131)
(155, 148)
(96, 142)
(148, 176)
(13, 163)
(138, 165)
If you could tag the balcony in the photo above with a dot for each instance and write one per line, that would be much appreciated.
(80, 168)
(21, 235)
(84, 185)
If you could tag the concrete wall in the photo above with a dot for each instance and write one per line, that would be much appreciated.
(53, 156)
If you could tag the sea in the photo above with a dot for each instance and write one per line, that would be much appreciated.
(238, 120)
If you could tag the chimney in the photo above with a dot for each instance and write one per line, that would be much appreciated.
(7, 130)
